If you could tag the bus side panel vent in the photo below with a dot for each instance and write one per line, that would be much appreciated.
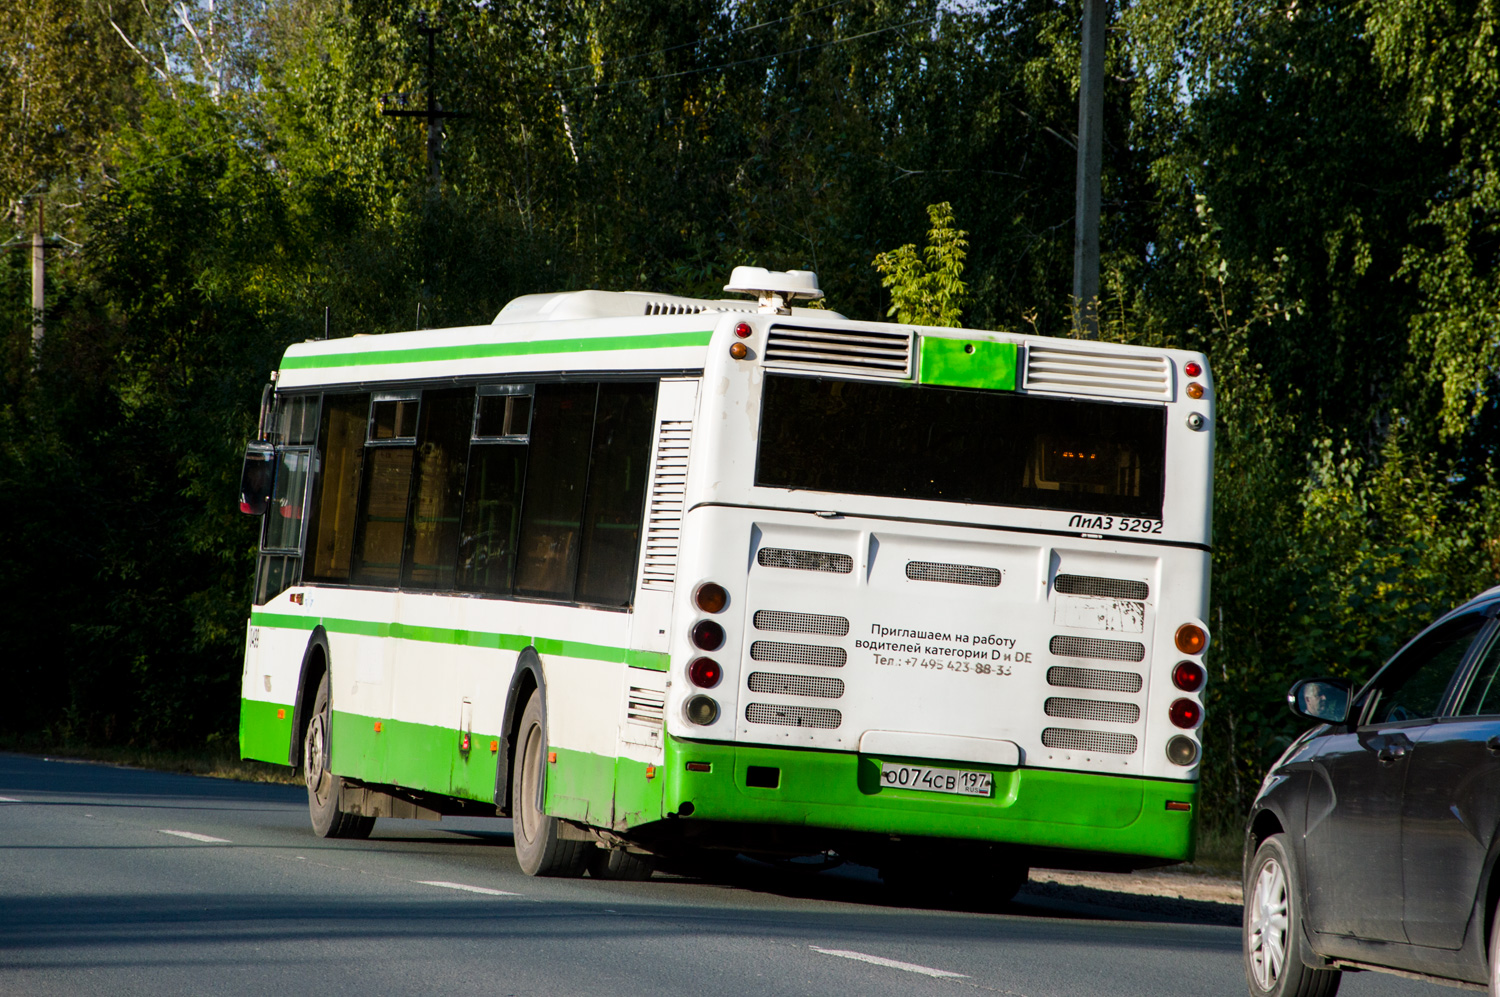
(1092, 709)
(672, 308)
(1089, 740)
(1091, 372)
(798, 654)
(781, 684)
(863, 351)
(804, 560)
(647, 707)
(794, 716)
(1094, 647)
(800, 623)
(664, 508)
(1109, 588)
(953, 574)
(1093, 678)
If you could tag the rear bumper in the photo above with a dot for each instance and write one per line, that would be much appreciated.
(841, 791)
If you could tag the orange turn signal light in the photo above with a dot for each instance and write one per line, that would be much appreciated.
(739, 350)
(1191, 639)
(1179, 805)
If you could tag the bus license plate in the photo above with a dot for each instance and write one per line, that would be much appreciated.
(959, 781)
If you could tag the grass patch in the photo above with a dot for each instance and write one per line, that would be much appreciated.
(213, 762)
(1219, 852)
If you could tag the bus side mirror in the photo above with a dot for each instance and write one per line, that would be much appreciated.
(257, 478)
(1324, 700)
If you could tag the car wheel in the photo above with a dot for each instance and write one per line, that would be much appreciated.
(1272, 936)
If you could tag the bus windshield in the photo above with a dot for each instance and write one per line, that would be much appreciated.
(961, 445)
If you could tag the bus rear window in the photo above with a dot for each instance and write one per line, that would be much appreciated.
(956, 445)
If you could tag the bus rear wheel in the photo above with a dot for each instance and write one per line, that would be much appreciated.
(540, 848)
(323, 787)
(617, 863)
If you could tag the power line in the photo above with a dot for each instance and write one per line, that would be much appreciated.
(746, 62)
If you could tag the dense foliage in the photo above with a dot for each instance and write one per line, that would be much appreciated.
(1309, 191)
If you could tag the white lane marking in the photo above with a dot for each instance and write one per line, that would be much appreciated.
(7, 799)
(468, 889)
(909, 967)
(194, 836)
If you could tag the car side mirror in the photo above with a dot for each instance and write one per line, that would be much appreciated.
(1324, 700)
(258, 477)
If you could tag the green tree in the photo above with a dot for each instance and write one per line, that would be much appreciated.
(927, 288)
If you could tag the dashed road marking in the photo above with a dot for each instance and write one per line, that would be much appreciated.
(909, 967)
(195, 836)
(8, 799)
(467, 889)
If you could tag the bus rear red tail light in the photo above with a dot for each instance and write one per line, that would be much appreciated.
(1188, 676)
(707, 635)
(705, 673)
(1185, 714)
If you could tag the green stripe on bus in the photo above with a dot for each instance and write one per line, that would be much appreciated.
(416, 756)
(480, 351)
(653, 660)
(264, 736)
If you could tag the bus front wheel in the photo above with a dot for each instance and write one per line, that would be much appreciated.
(323, 787)
(540, 849)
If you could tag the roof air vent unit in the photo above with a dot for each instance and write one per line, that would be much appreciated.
(775, 289)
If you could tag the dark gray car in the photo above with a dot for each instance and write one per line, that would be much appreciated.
(1373, 841)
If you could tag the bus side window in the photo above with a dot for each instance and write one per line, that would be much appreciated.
(616, 494)
(385, 489)
(441, 456)
(562, 426)
(341, 442)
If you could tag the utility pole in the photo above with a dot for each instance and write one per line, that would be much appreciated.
(38, 284)
(434, 114)
(1090, 163)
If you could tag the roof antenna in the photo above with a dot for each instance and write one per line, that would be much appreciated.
(775, 289)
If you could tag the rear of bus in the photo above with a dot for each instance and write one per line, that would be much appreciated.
(940, 587)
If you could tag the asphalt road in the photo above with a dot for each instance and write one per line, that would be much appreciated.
(119, 881)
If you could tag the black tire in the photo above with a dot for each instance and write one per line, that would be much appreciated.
(323, 787)
(617, 863)
(539, 848)
(1495, 955)
(1272, 937)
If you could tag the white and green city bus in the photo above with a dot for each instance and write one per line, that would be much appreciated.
(652, 575)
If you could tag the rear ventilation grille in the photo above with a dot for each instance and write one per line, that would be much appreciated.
(796, 685)
(798, 654)
(1094, 647)
(954, 574)
(1110, 588)
(1093, 678)
(1094, 372)
(1089, 740)
(800, 623)
(664, 511)
(794, 716)
(867, 352)
(804, 560)
(1090, 709)
(647, 707)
